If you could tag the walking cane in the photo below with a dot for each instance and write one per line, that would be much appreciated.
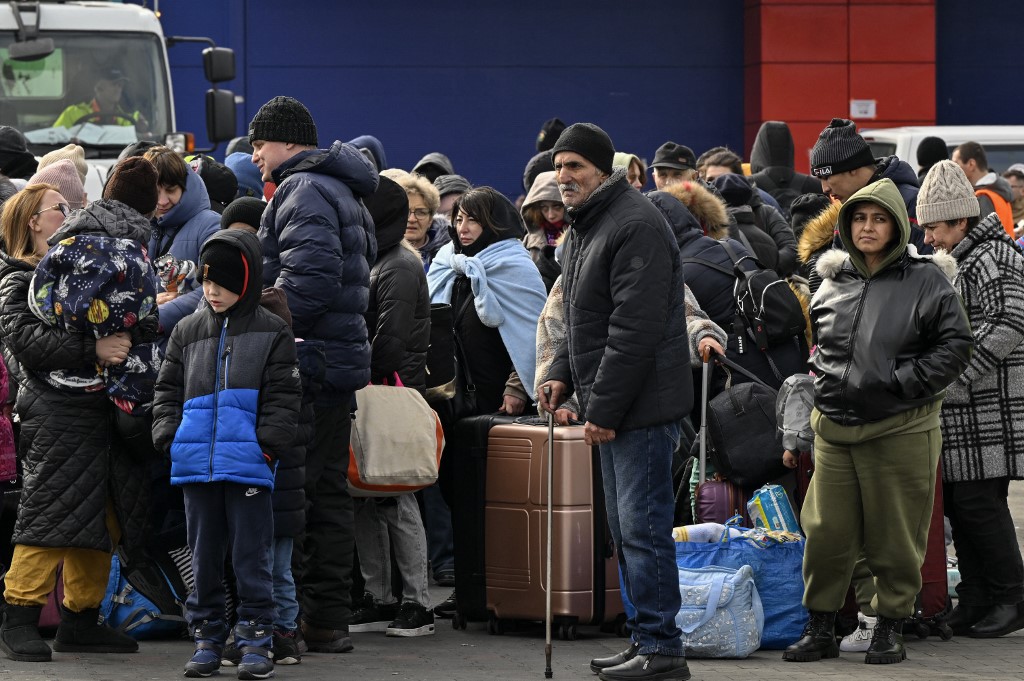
(701, 465)
(547, 594)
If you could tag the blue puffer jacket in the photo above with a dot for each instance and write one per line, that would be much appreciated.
(181, 232)
(318, 245)
(227, 399)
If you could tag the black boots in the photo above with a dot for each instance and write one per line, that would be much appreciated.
(964, 617)
(81, 632)
(818, 640)
(998, 621)
(19, 634)
(599, 663)
(887, 642)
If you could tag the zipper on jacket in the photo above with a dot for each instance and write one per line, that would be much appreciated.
(216, 391)
(853, 343)
(227, 363)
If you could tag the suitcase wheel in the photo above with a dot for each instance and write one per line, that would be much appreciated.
(922, 629)
(567, 632)
(495, 626)
(459, 621)
(945, 631)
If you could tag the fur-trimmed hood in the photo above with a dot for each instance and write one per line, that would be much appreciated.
(819, 232)
(833, 261)
(704, 205)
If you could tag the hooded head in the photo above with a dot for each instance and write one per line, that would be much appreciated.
(247, 174)
(433, 165)
(891, 241)
(389, 208)
(773, 147)
(232, 258)
(370, 145)
(734, 189)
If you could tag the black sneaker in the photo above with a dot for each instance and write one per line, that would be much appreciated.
(369, 616)
(413, 620)
(231, 655)
(446, 608)
(286, 647)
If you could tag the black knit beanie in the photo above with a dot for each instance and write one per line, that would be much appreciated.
(15, 159)
(224, 265)
(840, 148)
(133, 182)
(590, 142)
(283, 119)
(248, 210)
(549, 134)
(930, 151)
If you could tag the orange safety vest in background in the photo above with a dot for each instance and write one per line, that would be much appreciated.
(1002, 206)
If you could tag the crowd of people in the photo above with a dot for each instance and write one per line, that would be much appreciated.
(205, 327)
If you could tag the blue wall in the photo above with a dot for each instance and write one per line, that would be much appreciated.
(978, 75)
(477, 84)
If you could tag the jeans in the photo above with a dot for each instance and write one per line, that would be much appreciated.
(437, 520)
(329, 543)
(383, 524)
(637, 470)
(991, 570)
(285, 602)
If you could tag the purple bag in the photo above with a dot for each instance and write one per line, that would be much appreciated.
(719, 500)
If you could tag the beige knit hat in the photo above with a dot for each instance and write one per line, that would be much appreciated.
(64, 176)
(946, 194)
(73, 153)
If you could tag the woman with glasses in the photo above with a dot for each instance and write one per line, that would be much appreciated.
(78, 495)
(426, 231)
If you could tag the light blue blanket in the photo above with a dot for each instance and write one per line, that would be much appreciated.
(508, 295)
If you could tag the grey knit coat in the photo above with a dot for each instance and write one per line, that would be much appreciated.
(983, 411)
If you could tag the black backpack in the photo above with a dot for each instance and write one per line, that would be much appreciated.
(765, 305)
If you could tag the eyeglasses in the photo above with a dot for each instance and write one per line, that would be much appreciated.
(64, 209)
(420, 213)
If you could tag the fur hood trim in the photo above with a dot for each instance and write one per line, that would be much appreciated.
(706, 207)
(832, 261)
(819, 232)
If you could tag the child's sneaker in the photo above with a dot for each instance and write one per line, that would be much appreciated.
(231, 655)
(860, 639)
(412, 620)
(255, 641)
(209, 638)
(371, 616)
(286, 647)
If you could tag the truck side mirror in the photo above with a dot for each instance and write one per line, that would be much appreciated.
(220, 115)
(219, 64)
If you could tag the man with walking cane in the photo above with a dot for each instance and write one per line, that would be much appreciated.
(626, 357)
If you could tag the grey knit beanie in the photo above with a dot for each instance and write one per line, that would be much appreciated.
(839, 148)
(946, 194)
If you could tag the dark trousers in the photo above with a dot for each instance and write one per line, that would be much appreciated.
(991, 569)
(222, 517)
(329, 541)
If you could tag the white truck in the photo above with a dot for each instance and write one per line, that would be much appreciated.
(1004, 144)
(57, 59)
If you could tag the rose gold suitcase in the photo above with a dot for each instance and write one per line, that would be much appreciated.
(584, 578)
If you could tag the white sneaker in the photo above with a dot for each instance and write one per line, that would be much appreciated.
(860, 640)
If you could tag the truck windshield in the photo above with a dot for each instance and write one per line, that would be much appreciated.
(100, 92)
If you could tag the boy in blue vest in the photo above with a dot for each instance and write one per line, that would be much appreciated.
(226, 404)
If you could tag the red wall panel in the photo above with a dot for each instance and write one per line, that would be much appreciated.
(805, 61)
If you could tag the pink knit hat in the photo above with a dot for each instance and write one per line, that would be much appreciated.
(64, 176)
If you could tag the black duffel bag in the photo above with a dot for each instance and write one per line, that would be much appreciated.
(742, 429)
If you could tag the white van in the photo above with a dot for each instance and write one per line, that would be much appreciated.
(1004, 144)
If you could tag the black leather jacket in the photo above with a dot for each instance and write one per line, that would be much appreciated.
(889, 341)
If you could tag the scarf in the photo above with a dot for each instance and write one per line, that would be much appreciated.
(508, 294)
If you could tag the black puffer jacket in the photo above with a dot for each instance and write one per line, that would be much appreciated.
(72, 458)
(398, 314)
(626, 352)
(890, 340)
